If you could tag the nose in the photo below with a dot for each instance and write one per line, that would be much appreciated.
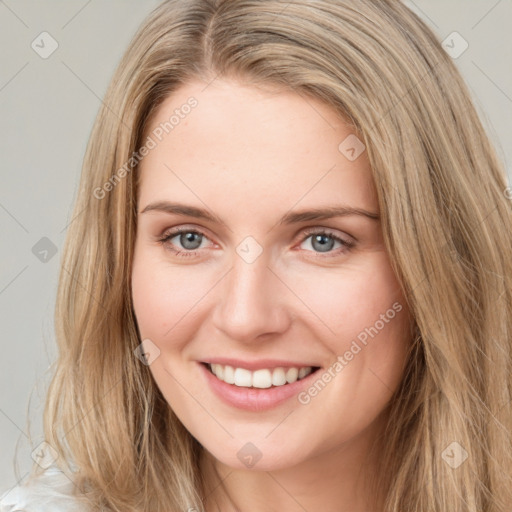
(251, 301)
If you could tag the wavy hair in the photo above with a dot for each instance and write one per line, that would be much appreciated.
(446, 220)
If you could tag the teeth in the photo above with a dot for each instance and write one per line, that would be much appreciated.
(243, 377)
(229, 374)
(264, 378)
(261, 379)
(303, 372)
(278, 377)
(292, 374)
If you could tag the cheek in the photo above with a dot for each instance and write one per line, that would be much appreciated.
(347, 300)
(166, 297)
(169, 300)
(368, 320)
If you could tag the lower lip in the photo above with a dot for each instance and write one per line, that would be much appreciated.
(254, 399)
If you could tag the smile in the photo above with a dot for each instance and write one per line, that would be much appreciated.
(255, 390)
(262, 378)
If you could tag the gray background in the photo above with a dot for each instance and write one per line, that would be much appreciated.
(47, 108)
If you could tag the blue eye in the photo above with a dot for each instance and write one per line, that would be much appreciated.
(324, 241)
(190, 240)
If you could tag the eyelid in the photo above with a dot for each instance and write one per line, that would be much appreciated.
(183, 228)
(347, 244)
(307, 230)
(329, 231)
(176, 230)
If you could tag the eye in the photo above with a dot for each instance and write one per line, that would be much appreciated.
(323, 241)
(189, 241)
(186, 238)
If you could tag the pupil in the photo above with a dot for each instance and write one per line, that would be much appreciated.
(324, 247)
(187, 240)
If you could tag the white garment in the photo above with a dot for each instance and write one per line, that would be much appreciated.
(50, 492)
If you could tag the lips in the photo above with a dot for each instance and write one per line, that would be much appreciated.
(253, 398)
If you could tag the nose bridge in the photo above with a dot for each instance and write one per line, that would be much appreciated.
(249, 301)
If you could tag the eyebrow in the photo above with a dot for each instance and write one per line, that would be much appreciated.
(288, 218)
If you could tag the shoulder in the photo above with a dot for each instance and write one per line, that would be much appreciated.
(52, 491)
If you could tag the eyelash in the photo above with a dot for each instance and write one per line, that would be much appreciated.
(346, 245)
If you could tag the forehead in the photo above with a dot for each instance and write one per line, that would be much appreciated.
(257, 148)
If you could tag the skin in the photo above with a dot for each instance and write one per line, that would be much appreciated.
(250, 156)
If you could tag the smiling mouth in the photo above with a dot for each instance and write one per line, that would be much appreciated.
(262, 379)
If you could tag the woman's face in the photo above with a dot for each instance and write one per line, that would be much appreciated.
(269, 274)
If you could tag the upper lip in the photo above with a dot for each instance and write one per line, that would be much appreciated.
(257, 365)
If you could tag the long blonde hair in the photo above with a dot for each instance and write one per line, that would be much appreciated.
(446, 221)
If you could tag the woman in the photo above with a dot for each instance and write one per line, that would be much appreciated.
(289, 283)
